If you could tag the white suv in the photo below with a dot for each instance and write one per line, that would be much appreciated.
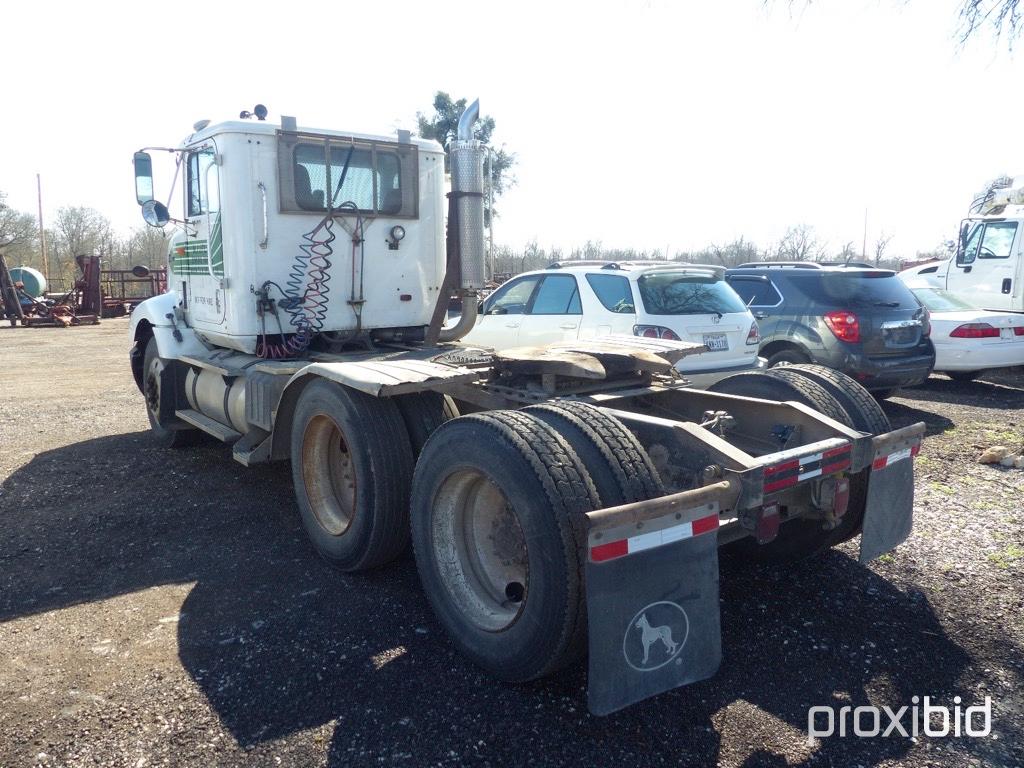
(582, 300)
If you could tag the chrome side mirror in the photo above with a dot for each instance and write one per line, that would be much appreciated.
(155, 213)
(143, 177)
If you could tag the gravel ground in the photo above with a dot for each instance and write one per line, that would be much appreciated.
(163, 608)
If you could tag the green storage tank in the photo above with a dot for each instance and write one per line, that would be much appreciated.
(35, 283)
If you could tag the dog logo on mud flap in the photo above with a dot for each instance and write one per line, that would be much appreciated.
(655, 636)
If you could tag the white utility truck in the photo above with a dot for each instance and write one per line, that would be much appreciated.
(577, 504)
(988, 268)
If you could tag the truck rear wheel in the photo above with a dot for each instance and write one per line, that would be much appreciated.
(864, 412)
(620, 467)
(800, 538)
(497, 507)
(351, 466)
(777, 385)
(153, 368)
(423, 412)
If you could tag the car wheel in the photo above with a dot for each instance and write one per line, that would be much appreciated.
(787, 357)
(963, 375)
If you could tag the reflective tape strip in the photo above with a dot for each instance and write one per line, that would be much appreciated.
(642, 541)
(906, 453)
(790, 473)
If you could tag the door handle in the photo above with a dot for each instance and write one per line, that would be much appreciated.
(512, 325)
(569, 326)
(760, 315)
(1007, 284)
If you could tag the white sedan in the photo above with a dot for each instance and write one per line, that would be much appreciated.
(968, 340)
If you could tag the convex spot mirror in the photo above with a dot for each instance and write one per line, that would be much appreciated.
(155, 213)
(143, 177)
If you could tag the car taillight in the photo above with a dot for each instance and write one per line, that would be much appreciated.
(926, 323)
(844, 325)
(753, 335)
(975, 331)
(655, 332)
(1019, 330)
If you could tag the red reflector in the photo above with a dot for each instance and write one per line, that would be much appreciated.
(842, 498)
(915, 449)
(844, 325)
(975, 331)
(794, 464)
(767, 524)
(609, 551)
(705, 524)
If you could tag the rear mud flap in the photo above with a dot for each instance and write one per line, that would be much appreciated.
(888, 515)
(652, 603)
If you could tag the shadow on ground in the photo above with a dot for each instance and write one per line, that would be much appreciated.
(278, 642)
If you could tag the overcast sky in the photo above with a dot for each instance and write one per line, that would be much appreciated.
(638, 124)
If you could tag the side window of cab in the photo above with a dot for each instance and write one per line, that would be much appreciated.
(202, 185)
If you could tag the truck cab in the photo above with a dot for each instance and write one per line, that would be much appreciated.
(988, 268)
(253, 202)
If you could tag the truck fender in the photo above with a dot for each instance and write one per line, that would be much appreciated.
(149, 319)
(379, 378)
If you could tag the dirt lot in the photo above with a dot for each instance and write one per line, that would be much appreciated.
(159, 607)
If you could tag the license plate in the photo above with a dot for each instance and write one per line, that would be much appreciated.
(716, 342)
(1006, 333)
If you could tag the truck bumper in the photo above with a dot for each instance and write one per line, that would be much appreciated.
(652, 566)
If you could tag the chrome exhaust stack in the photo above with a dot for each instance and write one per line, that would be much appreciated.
(466, 216)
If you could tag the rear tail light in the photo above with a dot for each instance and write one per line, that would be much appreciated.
(655, 332)
(926, 323)
(844, 325)
(1019, 330)
(753, 335)
(975, 331)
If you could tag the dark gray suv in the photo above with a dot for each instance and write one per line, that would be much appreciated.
(863, 322)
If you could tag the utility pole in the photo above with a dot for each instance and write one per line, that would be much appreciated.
(864, 245)
(42, 231)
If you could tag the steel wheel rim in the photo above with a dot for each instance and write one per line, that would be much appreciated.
(480, 550)
(328, 474)
(152, 386)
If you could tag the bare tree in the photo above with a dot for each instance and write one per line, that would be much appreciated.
(16, 228)
(847, 254)
(800, 244)
(880, 246)
(1002, 17)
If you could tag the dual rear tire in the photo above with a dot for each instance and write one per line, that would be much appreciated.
(495, 509)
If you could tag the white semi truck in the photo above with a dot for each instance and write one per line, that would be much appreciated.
(988, 267)
(561, 502)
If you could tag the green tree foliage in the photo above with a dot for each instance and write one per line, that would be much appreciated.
(443, 126)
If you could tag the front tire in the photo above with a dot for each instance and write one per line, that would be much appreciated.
(352, 467)
(153, 369)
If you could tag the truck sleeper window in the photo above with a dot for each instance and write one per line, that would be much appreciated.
(376, 179)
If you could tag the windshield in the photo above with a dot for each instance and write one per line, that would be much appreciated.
(873, 289)
(941, 301)
(677, 293)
